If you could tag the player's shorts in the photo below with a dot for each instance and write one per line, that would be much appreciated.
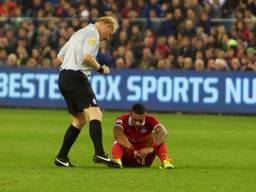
(128, 159)
(76, 90)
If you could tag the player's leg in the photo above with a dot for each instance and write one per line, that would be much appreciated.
(129, 160)
(149, 159)
(161, 151)
(147, 162)
(117, 153)
(126, 158)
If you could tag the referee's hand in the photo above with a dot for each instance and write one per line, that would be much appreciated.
(106, 69)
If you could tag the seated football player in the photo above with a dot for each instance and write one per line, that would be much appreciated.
(139, 138)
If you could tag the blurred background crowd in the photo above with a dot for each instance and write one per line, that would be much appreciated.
(154, 34)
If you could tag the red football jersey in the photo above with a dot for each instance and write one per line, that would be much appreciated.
(137, 135)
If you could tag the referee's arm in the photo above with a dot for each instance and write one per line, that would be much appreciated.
(62, 53)
(91, 61)
(60, 58)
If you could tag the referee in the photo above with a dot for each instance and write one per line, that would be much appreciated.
(78, 60)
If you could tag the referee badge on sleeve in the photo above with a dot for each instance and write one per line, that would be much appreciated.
(92, 41)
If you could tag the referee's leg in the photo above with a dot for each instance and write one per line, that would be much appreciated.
(73, 131)
(94, 116)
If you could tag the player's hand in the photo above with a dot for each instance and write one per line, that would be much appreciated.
(106, 69)
(137, 156)
(142, 154)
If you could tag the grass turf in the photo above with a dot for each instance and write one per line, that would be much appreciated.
(211, 153)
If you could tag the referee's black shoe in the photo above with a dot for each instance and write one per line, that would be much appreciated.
(104, 159)
(63, 162)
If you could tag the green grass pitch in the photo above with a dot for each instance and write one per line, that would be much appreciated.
(211, 153)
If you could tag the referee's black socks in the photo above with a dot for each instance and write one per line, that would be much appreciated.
(96, 136)
(69, 138)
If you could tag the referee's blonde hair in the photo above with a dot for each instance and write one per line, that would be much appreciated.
(108, 20)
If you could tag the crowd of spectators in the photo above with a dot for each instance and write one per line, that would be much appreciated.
(153, 34)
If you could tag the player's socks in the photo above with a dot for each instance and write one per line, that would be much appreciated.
(162, 152)
(96, 136)
(117, 151)
(69, 138)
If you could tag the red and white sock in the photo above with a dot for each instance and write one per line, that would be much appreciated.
(117, 151)
(162, 152)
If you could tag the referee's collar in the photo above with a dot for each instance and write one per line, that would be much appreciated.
(93, 26)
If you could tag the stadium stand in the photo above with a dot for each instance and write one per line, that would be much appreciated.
(154, 34)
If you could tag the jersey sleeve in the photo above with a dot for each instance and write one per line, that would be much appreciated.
(63, 50)
(90, 44)
(119, 122)
(152, 122)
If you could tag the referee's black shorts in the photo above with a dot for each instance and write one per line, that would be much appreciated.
(76, 90)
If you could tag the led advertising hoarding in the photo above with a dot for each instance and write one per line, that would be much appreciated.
(166, 91)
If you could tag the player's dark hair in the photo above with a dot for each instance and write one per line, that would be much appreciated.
(138, 109)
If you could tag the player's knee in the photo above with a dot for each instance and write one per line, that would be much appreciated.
(94, 113)
(117, 145)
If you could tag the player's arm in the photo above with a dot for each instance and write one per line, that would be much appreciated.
(157, 137)
(150, 140)
(121, 138)
(159, 133)
(142, 153)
